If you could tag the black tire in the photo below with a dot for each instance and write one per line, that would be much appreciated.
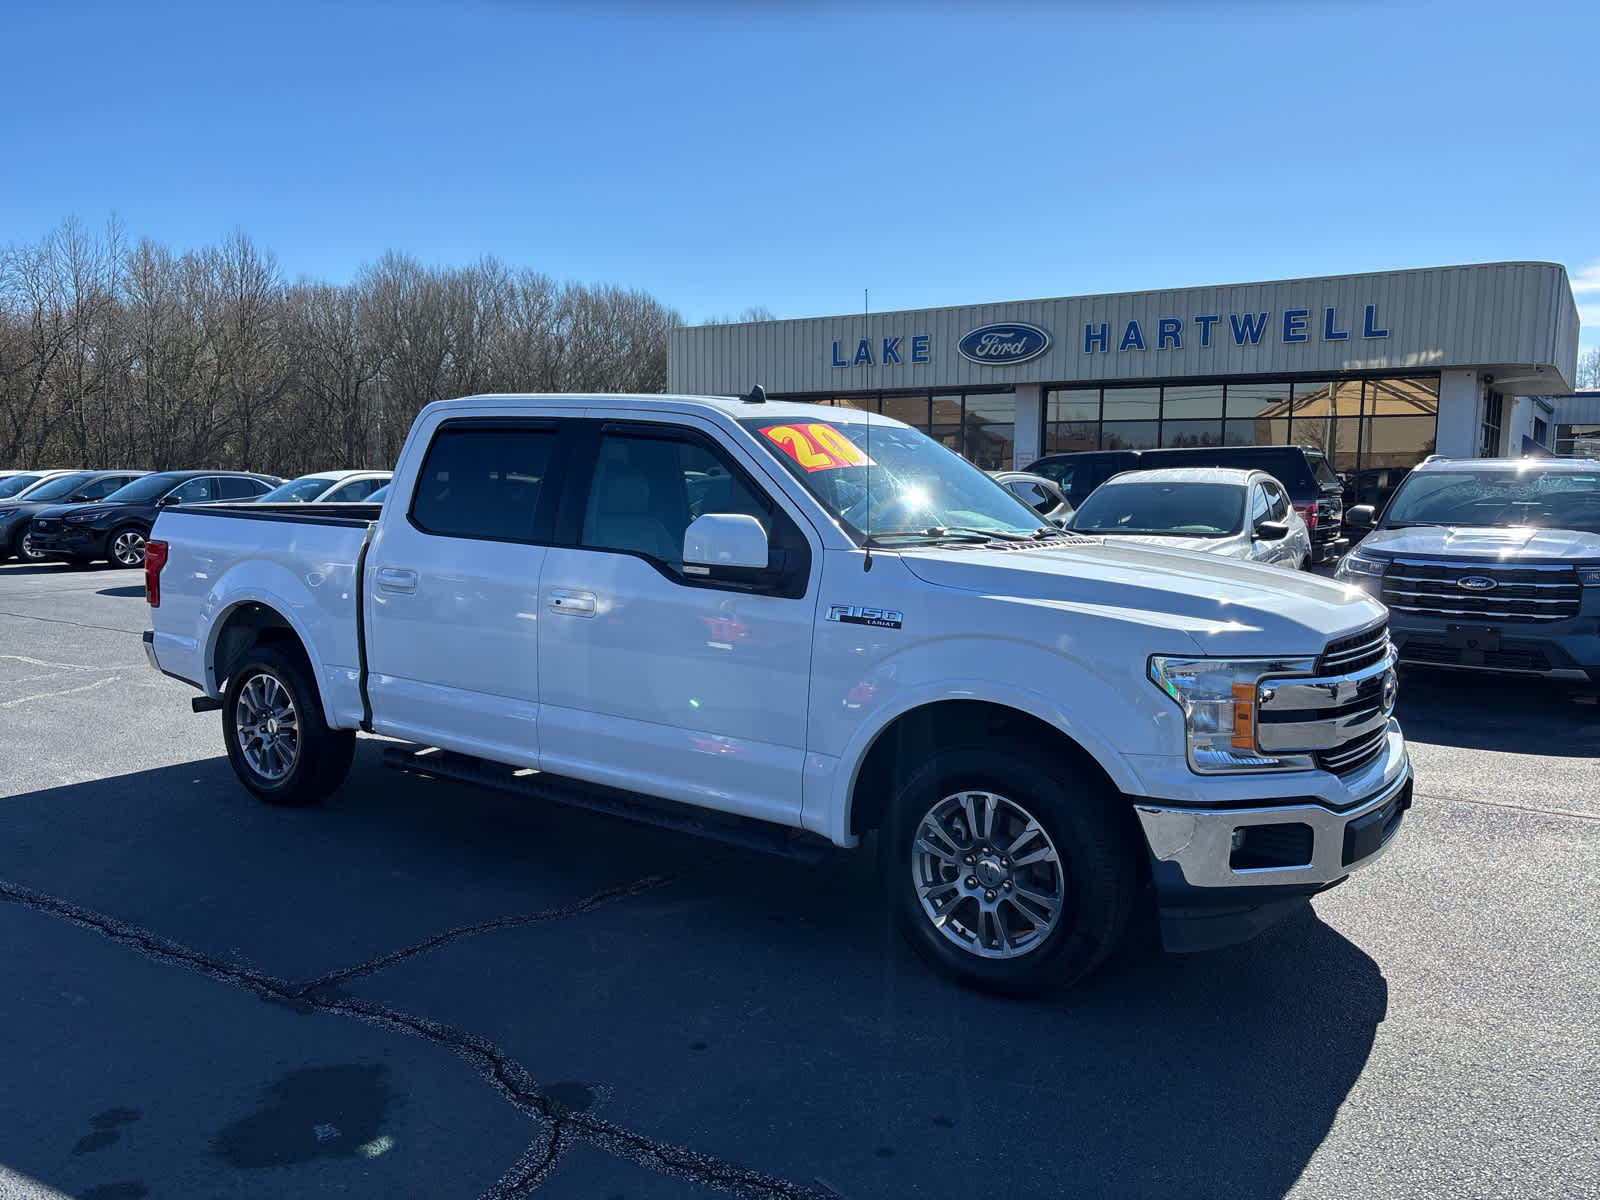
(1097, 872)
(125, 546)
(24, 548)
(320, 757)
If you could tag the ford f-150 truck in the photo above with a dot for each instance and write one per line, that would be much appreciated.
(790, 625)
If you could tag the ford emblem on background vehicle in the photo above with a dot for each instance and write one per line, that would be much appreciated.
(1476, 583)
(1004, 345)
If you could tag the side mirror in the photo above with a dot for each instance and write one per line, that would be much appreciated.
(1272, 531)
(1362, 516)
(166, 500)
(720, 540)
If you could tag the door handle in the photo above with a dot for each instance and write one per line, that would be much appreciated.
(396, 579)
(573, 604)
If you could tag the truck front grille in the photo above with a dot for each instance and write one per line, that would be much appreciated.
(1339, 716)
(1513, 593)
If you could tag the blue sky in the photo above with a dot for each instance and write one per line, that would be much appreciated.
(723, 154)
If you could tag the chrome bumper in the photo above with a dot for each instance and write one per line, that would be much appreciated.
(1200, 842)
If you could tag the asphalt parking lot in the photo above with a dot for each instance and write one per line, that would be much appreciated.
(426, 990)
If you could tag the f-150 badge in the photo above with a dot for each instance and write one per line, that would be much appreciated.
(856, 614)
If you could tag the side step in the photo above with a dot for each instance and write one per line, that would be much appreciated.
(681, 818)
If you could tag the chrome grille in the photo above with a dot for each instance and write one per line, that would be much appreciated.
(1356, 753)
(1520, 593)
(1356, 651)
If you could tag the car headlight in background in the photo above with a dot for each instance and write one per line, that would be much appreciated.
(1358, 564)
(7, 512)
(1588, 576)
(85, 518)
(1218, 697)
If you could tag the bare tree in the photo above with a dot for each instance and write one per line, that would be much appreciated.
(1588, 370)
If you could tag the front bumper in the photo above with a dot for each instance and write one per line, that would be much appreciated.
(59, 538)
(1568, 649)
(1223, 872)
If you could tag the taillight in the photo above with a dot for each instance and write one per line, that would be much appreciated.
(1309, 512)
(155, 557)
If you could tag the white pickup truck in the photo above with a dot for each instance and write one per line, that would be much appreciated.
(788, 625)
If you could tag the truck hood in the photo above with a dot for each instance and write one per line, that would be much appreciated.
(1234, 544)
(1513, 544)
(1227, 607)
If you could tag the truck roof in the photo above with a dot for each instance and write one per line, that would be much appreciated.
(731, 406)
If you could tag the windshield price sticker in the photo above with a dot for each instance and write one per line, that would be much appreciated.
(816, 447)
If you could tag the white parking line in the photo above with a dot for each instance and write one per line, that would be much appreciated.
(88, 687)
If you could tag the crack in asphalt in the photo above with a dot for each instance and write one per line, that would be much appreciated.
(79, 624)
(576, 908)
(507, 1076)
(1527, 808)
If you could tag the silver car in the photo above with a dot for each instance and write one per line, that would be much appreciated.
(1216, 510)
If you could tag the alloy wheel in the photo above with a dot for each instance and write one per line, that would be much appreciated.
(267, 727)
(127, 548)
(987, 874)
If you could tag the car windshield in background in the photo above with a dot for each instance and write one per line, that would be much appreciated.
(147, 488)
(297, 491)
(10, 487)
(892, 482)
(1166, 509)
(60, 487)
(1488, 499)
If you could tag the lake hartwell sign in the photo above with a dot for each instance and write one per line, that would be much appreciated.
(1009, 343)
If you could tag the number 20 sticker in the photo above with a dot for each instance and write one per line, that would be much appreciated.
(816, 447)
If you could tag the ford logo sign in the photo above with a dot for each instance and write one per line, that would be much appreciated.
(1476, 583)
(1004, 345)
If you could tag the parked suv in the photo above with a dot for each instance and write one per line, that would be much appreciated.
(1491, 564)
(71, 488)
(115, 528)
(1314, 489)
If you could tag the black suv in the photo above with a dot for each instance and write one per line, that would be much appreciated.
(16, 513)
(116, 527)
(1314, 490)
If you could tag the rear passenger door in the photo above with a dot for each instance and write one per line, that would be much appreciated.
(451, 591)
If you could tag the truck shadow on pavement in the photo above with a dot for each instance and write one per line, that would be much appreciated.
(1504, 713)
(756, 1010)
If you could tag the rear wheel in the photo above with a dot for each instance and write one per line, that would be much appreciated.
(125, 547)
(278, 742)
(1004, 876)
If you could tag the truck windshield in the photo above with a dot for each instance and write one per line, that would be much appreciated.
(1487, 498)
(1167, 509)
(891, 482)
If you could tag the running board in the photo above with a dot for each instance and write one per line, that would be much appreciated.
(745, 832)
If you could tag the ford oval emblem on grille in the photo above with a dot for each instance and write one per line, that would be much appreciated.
(1004, 345)
(1476, 583)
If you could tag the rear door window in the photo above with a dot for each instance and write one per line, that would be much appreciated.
(101, 488)
(481, 482)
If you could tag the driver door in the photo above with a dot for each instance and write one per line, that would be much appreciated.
(654, 677)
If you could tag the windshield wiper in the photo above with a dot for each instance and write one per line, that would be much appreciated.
(936, 533)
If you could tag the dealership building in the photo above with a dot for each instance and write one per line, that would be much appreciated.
(1378, 370)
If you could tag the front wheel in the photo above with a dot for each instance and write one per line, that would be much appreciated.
(125, 547)
(25, 550)
(1005, 876)
(278, 742)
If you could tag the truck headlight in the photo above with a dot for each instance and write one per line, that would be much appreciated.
(1588, 576)
(1357, 563)
(1219, 697)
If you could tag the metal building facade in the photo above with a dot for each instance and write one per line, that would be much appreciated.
(1467, 343)
(1516, 321)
